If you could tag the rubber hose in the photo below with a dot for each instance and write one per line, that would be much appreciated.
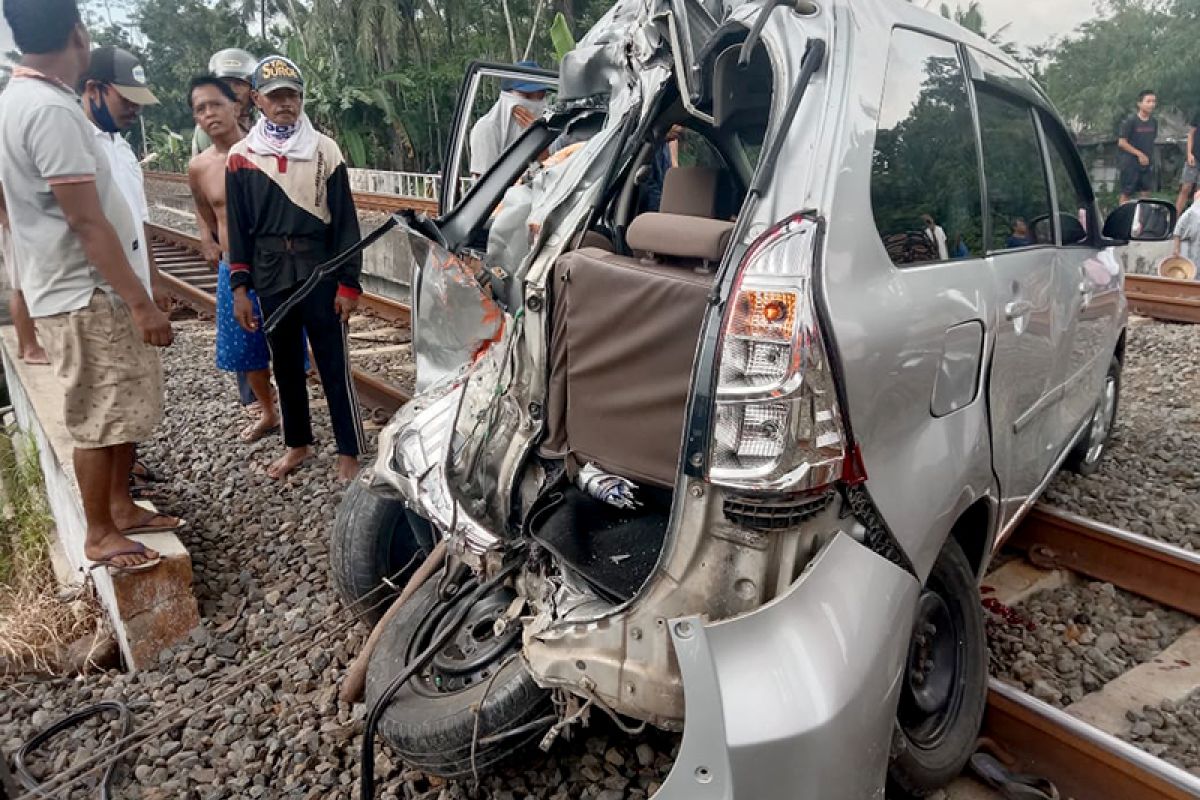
(367, 783)
(356, 675)
(66, 723)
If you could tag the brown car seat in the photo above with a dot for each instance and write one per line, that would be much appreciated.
(624, 335)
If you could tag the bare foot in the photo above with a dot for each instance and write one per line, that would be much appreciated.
(347, 468)
(257, 430)
(289, 461)
(35, 354)
(105, 547)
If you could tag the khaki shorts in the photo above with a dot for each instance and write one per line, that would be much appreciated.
(112, 379)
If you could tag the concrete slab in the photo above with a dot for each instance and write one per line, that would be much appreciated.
(1171, 675)
(148, 610)
(1018, 579)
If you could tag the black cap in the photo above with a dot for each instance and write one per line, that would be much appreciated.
(120, 69)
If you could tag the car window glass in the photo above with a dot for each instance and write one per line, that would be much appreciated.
(1017, 193)
(925, 170)
(1072, 199)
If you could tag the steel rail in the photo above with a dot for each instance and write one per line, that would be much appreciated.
(1084, 762)
(373, 393)
(1163, 298)
(363, 201)
(1158, 571)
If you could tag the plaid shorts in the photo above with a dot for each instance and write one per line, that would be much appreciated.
(111, 378)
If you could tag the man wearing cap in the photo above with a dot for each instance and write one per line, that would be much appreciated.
(113, 91)
(76, 245)
(289, 209)
(234, 67)
(519, 104)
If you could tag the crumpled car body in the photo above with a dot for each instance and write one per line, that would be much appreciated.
(772, 622)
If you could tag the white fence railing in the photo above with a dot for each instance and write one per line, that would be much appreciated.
(417, 185)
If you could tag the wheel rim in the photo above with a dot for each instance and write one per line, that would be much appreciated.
(1102, 421)
(473, 653)
(933, 690)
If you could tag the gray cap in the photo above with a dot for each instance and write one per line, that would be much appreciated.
(120, 69)
(232, 62)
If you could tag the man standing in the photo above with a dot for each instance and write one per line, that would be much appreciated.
(1136, 141)
(290, 209)
(215, 109)
(29, 349)
(75, 242)
(114, 91)
(234, 67)
(1190, 180)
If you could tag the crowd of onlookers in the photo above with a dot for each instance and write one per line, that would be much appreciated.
(273, 205)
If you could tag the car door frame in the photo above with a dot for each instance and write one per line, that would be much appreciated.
(1050, 422)
(451, 193)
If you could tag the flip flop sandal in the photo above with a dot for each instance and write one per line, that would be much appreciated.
(139, 550)
(141, 471)
(1012, 785)
(147, 525)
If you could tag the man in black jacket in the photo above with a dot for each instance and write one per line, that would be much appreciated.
(290, 209)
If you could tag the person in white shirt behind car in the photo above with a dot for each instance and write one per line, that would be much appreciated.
(936, 236)
(1187, 233)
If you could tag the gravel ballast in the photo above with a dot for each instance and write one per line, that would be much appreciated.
(260, 556)
(1064, 643)
(1149, 480)
(1170, 731)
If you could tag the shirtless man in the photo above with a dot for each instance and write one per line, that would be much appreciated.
(215, 109)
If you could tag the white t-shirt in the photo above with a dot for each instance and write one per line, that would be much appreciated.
(46, 140)
(1187, 230)
(127, 172)
(498, 129)
(937, 237)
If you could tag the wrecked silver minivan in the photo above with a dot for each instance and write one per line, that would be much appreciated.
(721, 441)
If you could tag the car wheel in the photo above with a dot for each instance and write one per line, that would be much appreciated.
(1085, 458)
(371, 543)
(476, 689)
(944, 687)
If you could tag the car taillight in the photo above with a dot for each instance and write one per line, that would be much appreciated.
(776, 425)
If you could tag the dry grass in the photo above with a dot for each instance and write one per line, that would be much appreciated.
(36, 624)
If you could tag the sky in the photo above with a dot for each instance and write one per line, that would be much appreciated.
(1032, 21)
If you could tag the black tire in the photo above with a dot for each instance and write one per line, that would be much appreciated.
(372, 539)
(939, 716)
(432, 730)
(1085, 458)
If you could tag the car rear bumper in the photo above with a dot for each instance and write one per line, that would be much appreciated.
(797, 700)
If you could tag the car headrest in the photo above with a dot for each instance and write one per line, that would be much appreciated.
(679, 236)
(690, 191)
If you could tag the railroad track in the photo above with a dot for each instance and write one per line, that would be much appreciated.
(364, 201)
(1084, 761)
(1163, 298)
(193, 283)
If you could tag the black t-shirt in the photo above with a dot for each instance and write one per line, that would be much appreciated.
(1140, 133)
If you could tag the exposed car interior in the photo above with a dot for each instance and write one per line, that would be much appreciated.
(627, 308)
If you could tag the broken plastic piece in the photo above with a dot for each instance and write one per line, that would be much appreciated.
(611, 489)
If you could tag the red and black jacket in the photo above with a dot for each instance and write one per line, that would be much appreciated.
(286, 217)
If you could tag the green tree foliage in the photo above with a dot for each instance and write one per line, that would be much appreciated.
(1095, 74)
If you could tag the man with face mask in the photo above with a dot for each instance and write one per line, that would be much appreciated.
(520, 103)
(289, 208)
(114, 91)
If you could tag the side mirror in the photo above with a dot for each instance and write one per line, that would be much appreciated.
(1141, 221)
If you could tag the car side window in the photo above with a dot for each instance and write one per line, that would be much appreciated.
(925, 171)
(1071, 194)
(1018, 194)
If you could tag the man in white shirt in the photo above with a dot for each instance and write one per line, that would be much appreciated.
(113, 91)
